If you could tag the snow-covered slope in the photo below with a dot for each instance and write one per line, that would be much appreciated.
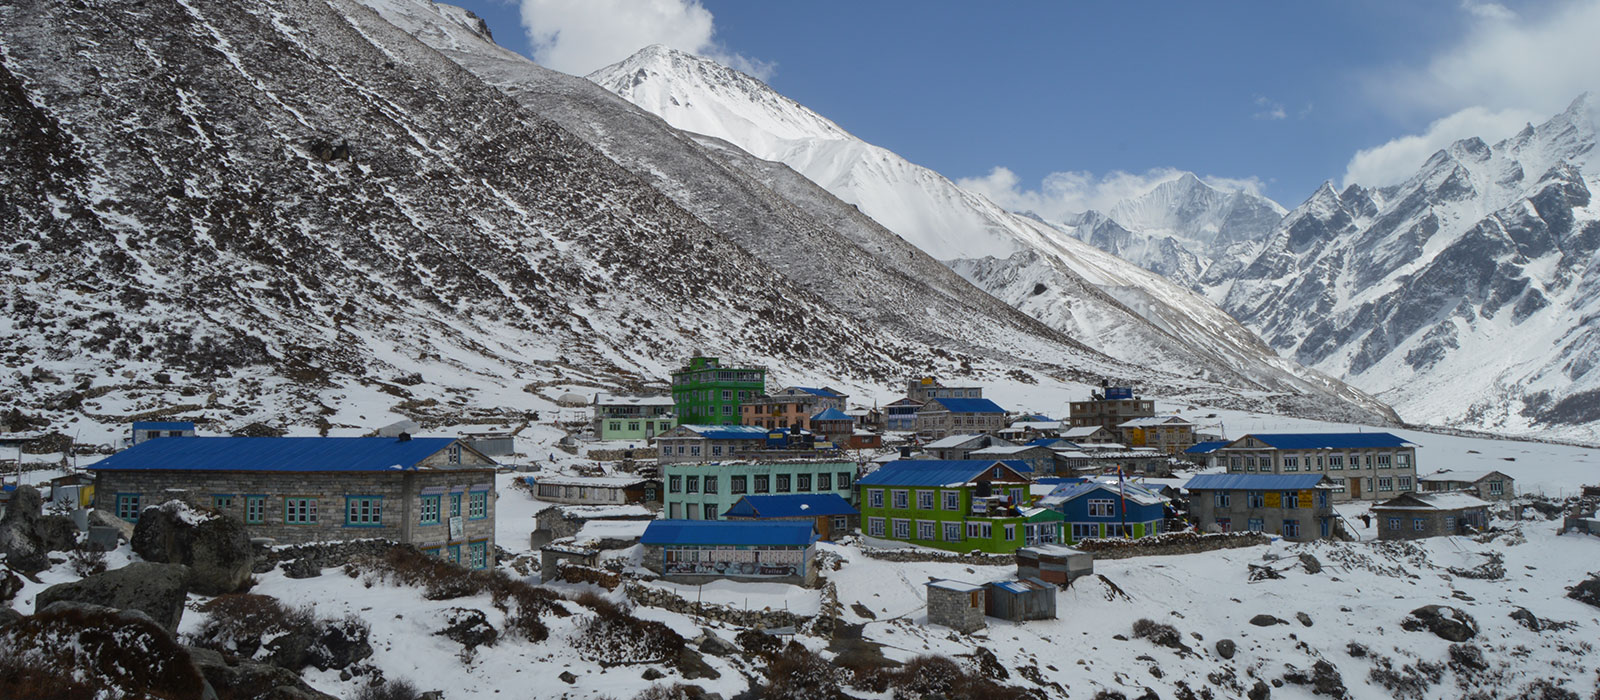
(1115, 307)
(1466, 296)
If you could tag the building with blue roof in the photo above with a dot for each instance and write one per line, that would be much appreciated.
(956, 505)
(706, 443)
(942, 417)
(148, 430)
(1297, 507)
(436, 493)
(831, 515)
(1095, 509)
(1364, 466)
(700, 551)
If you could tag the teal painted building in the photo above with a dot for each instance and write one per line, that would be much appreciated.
(706, 393)
(706, 491)
(638, 418)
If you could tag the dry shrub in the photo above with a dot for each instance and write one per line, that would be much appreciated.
(798, 673)
(74, 653)
(237, 622)
(676, 691)
(441, 580)
(398, 689)
(930, 675)
(1159, 634)
(615, 636)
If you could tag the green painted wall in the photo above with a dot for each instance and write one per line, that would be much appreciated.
(706, 393)
(635, 428)
(996, 542)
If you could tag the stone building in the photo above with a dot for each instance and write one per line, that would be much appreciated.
(1489, 485)
(1110, 407)
(1414, 516)
(959, 606)
(436, 493)
(594, 490)
(700, 551)
(1362, 466)
(940, 418)
(1297, 507)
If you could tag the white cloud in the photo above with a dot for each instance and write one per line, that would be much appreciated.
(580, 36)
(1270, 109)
(1065, 193)
(1399, 159)
(1492, 11)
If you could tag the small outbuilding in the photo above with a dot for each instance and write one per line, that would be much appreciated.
(1487, 485)
(957, 605)
(1053, 563)
(1414, 516)
(1020, 599)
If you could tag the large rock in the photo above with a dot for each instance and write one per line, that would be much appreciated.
(122, 652)
(215, 547)
(1449, 623)
(10, 585)
(248, 679)
(157, 590)
(57, 533)
(19, 532)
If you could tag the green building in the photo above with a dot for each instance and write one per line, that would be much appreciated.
(706, 491)
(638, 418)
(706, 393)
(958, 505)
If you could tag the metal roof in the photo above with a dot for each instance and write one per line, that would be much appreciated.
(826, 393)
(969, 405)
(950, 441)
(1447, 475)
(163, 425)
(1328, 441)
(791, 506)
(936, 472)
(775, 533)
(950, 585)
(1254, 482)
(1071, 492)
(1205, 448)
(1451, 500)
(1153, 420)
(832, 414)
(728, 432)
(275, 454)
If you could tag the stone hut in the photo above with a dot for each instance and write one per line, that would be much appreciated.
(957, 605)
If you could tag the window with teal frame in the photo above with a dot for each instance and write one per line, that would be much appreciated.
(222, 501)
(128, 506)
(478, 555)
(300, 511)
(455, 507)
(429, 510)
(363, 511)
(455, 553)
(477, 505)
(255, 510)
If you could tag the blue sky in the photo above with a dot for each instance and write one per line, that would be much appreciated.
(1062, 106)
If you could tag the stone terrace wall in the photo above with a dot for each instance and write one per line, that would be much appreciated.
(1171, 543)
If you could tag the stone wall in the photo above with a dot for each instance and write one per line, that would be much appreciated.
(921, 555)
(619, 455)
(639, 594)
(1170, 543)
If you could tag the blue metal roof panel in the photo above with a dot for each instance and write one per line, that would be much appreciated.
(276, 454)
(969, 405)
(832, 414)
(816, 392)
(935, 472)
(1329, 441)
(729, 432)
(1205, 448)
(729, 533)
(163, 425)
(1253, 482)
(792, 506)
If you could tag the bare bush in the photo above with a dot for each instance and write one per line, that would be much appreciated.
(398, 689)
(615, 636)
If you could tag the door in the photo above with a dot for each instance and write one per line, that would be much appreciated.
(1355, 487)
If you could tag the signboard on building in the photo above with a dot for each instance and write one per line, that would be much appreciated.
(457, 531)
(1273, 499)
(1304, 499)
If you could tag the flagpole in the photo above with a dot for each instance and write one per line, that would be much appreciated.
(1123, 490)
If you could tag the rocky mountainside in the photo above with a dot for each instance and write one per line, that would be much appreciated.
(297, 212)
(1465, 296)
(1117, 308)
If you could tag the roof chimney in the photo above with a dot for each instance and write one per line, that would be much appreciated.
(405, 437)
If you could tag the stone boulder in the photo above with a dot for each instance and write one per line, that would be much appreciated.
(20, 542)
(1226, 648)
(57, 533)
(1265, 620)
(1447, 623)
(122, 652)
(470, 628)
(328, 645)
(214, 546)
(157, 590)
(10, 584)
(1586, 591)
(247, 679)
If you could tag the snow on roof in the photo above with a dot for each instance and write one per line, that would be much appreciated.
(823, 392)
(1449, 500)
(275, 454)
(604, 512)
(614, 400)
(935, 472)
(1445, 475)
(948, 442)
(1071, 492)
(729, 532)
(1001, 450)
(1081, 431)
(575, 480)
(1205, 448)
(1051, 550)
(969, 405)
(1327, 441)
(957, 586)
(1148, 421)
(611, 530)
(1254, 482)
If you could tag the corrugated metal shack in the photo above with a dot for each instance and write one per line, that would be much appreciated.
(1020, 599)
(1053, 563)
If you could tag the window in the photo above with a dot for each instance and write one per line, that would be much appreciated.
(1385, 483)
(902, 529)
(844, 480)
(453, 553)
(363, 511)
(1256, 525)
(1291, 528)
(716, 450)
(802, 483)
(614, 425)
(430, 510)
(952, 532)
(979, 531)
(1338, 485)
(128, 506)
(633, 425)
(1291, 464)
(1011, 532)
(952, 500)
(1016, 496)
(255, 510)
(1081, 531)
(1366, 460)
(1450, 523)
(875, 498)
(694, 450)
(1369, 483)
(710, 511)
(783, 483)
(926, 530)
(1221, 499)
(1404, 483)
(691, 484)
(1225, 524)
(675, 511)
(1319, 463)
(1403, 460)
(1291, 499)
(222, 501)
(925, 500)
(1101, 507)
(727, 394)
(1322, 498)
(675, 484)
(1497, 488)
(1255, 499)
(1235, 465)
(736, 484)
(1249, 464)
(478, 555)
(824, 482)
(454, 453)
(763, 481)
(902, 499)
(1335, 463)
(299, 511)
(875, 526)
(477, 505)
(455, 505)
(1383, 461)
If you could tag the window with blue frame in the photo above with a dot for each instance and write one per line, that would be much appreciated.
(363, 511)
(455, 509)
(255, 510)
(1257, 525)
(222, 501)
(478, 555)
(429, 510)
(478, 505)
(1255, 499)
(128, 506)
(454, 554)
(300, 511)
(1322, 498)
